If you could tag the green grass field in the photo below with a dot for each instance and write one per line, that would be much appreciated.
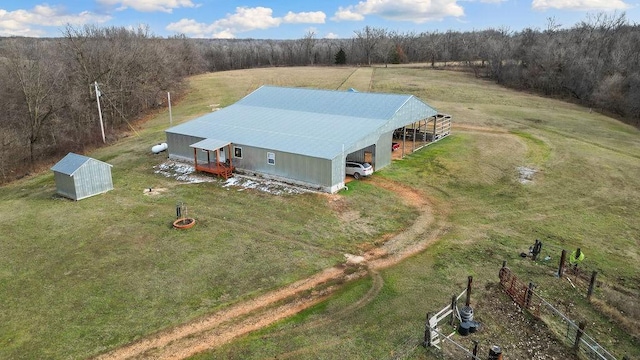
(80, 278)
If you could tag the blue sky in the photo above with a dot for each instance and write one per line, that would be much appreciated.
(294, 19)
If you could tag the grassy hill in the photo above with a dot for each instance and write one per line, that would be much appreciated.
(80, 278)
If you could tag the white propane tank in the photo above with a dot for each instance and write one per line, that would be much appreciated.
(156, 149)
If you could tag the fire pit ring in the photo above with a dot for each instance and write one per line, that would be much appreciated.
(184, 223)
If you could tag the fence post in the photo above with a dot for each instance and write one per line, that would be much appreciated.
(563, 257)
(527, 299)
(504, 263)
(469, 282)
(591, 284)
(581, 326)
(454, 305)
(475, 349)
(537, 247)
(427, 332)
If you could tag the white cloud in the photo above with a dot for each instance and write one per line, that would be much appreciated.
(225, 34)
(246, 19)
(331, 36)
(417, 11)
(149, 5)
(31, 22)
(316, 17)
(191, 27)
(243, 20)
(585, 5)
(347, 15)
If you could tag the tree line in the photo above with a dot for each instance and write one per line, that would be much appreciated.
(48, 86)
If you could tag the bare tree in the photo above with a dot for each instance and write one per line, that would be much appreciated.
(308, 43)
(36, 77)
(368, 39)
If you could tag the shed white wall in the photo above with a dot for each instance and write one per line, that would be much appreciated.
(92, 178)
(65, 185)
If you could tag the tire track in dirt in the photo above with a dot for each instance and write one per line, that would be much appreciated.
(164, 338)
(223, 326)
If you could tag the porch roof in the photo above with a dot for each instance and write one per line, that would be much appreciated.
(210, 144)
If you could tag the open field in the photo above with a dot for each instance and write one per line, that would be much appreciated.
(80, 278)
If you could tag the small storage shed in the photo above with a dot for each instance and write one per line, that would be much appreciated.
(78, 177)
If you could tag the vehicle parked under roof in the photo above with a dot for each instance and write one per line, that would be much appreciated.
(358, 170)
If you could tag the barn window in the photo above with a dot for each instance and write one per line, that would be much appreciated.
(271, 158)
(237, 152)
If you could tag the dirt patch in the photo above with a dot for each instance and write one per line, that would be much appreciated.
(215, 329)
(154, 191)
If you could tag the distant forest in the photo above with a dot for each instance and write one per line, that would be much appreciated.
(48, 86)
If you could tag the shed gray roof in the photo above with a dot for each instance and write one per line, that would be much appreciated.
(319, 123)
(71, 163)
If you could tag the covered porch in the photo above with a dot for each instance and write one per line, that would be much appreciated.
(219, 162)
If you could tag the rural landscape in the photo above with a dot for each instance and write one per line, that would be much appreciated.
(275, 271)
(83, 278)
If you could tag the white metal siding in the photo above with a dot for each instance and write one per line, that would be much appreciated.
(91, 179)
(65, 185)
(296, 167)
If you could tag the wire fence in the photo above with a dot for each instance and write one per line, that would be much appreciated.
(571, 333)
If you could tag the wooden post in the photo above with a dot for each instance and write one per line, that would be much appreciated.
(454, 304)
(427, 332)
(475, 349)
(195, 158)
(591, 284)
(563, 258)
(527, 298)
(537, 247)
(469, 282)
(581, 326)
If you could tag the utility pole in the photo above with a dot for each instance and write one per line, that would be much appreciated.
(95, 84)
(170, 116)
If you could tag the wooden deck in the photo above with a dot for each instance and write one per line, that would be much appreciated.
(219, 169)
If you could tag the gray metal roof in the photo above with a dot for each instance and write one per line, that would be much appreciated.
(71, 163)
(319, 123)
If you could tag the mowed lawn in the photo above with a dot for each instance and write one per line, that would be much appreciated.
(79, 278)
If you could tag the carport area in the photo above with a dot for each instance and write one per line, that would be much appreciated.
(417, 135)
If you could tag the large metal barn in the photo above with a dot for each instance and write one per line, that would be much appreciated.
(304, 136)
